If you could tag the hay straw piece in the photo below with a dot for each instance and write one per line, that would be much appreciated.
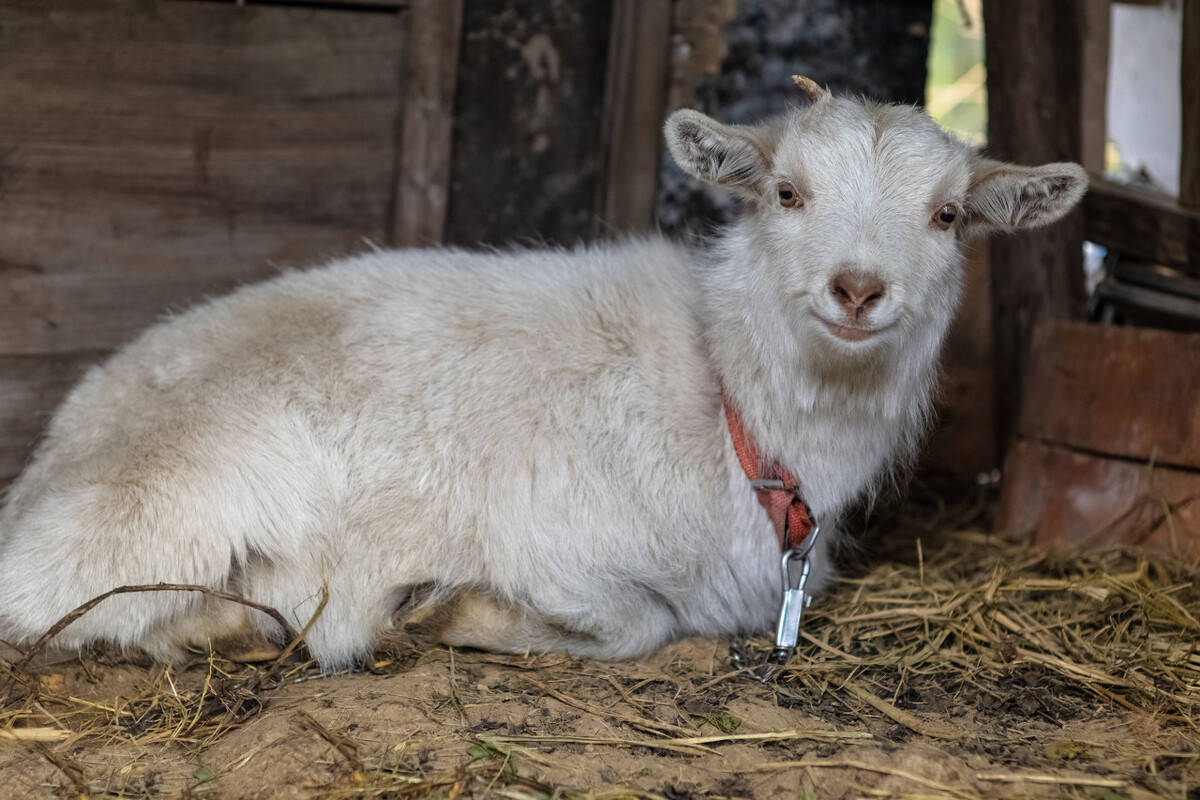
(33, 735)
(671, 745)
(664, 729)
(865, 767)
(64, 765)
(930, 728)
(1052, 780)
(345, 747)
(694, 745)
(997, 613)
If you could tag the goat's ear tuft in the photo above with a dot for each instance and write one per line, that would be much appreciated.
(1010, 197)
(727, 155)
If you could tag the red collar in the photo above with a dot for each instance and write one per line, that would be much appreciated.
(778, 491)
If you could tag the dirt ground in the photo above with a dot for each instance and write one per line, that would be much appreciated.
(965, 668)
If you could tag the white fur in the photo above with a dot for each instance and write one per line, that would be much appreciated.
(541, 428)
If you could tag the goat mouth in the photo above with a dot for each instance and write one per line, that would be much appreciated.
(850, 333)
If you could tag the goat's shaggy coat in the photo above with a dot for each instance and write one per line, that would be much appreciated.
(540, 433)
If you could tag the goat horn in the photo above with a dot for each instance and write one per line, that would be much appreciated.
(809, 87)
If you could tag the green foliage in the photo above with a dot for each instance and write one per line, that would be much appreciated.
(725, 723)
(956, 91)
(487, 751)
(204, 774)
(1101, 793)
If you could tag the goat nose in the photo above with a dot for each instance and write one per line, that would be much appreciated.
(856, 292)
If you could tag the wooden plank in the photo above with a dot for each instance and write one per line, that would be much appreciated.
(423, 166)
(1130, 392)
(137, 276)
(1093, 115)
(639, 72)
(386, 6)
(1144, 226)
(1034, 83)
(152, 153)
(1058, 498)
(30, 388)
(1189, 76)
(278, 111)
(187, 144)
(528, 122)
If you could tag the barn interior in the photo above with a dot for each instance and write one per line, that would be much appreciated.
(1020, 619)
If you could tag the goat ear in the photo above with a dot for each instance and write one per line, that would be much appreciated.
(727, 155)
(1010, 197)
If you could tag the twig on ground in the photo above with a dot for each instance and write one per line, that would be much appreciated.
(345, 747)
(84, 608)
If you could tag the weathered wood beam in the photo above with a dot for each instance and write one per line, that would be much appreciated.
(172, 152)
(422, 167)
(1122, 391)
(1097, 29)
(1144, 226)
(1189, 76)
(639, 73)
(1035, 81)
(1062, 498)
(349, 5)
(528, 128)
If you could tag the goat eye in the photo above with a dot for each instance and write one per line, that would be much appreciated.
(788, 196)
(945, 216)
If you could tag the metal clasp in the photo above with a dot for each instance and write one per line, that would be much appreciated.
(795, 567)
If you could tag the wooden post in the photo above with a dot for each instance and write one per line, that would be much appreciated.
(422, 163)
(529, 124)
(1093, 112)
(1189, 76)
(639, 64)
(1035, 84)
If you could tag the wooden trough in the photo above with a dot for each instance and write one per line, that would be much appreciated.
(1108, 443)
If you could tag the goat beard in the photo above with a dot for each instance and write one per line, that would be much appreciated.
(858, 365)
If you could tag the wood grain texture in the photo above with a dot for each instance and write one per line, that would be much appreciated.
(1093, 112)
(1034, 63)
(1189, 140)
(1063, 499)
(528, 154)
(639, 72)
(1144, 226)
(190, 144)
(153, 153)
(61, 311)
(348, 5)
(423, 157)
(1130, 392)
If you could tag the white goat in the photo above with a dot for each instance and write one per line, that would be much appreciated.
(538, 434)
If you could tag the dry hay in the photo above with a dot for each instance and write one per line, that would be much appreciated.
(955, 665)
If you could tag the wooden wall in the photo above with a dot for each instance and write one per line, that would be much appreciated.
(157, 152)
(154, 153)
(528, 120)
(1107, 448)
(1036, 90)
